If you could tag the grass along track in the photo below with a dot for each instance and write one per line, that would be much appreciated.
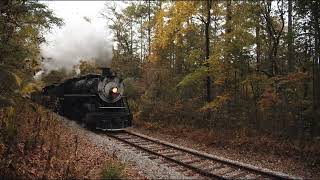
(203, 164)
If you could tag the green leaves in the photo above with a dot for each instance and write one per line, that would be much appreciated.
(193, 78)
(10, 81)
(55, 76)
(23, 24)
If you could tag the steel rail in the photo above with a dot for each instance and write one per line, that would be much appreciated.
(200, 171)
(204, 156)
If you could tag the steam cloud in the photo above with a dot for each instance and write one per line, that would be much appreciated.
(76, 41)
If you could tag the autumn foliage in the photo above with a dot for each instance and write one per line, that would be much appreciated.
(264, 71)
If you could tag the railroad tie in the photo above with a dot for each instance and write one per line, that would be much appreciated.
(123, 137)
(226, 171)
(211, 168)
(143, 143)
(250, 176)
(220, 171)
(157, 149)
(201, 165)
(136, 141)
(166, 151)
(236, 174)
(172, 165)
(183, 169)
(191, 161)
(152, 157)
(174, 154)
(153, 146)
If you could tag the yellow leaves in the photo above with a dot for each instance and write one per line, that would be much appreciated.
(268, 99)
(219, 68)
(171, 26)
(9, 111)
(298, 77)
(160, 39)
(290, 88)
(182, 11)
(219, 81)
(30, 87)
(217, 103)
(17, 79)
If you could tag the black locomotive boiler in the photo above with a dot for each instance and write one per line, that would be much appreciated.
(95, 100)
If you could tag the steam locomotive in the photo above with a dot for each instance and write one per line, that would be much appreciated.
(94, 100)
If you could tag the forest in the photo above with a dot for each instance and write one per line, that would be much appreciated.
(249, 68)
(222, 65)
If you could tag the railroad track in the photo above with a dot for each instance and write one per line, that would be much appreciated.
(206, 165)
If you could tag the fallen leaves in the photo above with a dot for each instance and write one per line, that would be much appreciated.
(43, 147)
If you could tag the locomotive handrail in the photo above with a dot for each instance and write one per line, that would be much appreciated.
(79, 95)
(112, 107)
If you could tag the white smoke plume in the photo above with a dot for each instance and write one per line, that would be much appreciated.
(74, 42)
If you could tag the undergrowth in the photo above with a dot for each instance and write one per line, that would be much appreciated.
(35, 145)
(113, 170)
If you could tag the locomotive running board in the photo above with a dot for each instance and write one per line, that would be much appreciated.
(83, 95)
(110, 130)
(112, 107)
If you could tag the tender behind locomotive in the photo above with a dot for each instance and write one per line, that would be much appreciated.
(95, 100)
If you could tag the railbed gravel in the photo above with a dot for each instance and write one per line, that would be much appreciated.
(153, 169)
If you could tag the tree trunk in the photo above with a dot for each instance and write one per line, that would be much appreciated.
(228, 18)
(227, 52)
(317, 50)
(207, 48)
(178, 59)
(274, 36)
(316, 64)
(316, 72)
(258, 49)
(290, 39)
(149, 28)
(141, 40)
(131, 39)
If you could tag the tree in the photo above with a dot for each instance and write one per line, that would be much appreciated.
(87, 67)
(22, 27)
(274, 30)
(309, 10)
(55, 76)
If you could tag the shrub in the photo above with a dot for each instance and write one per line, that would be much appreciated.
(112, 170)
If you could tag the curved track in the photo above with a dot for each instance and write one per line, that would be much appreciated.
(201, 163)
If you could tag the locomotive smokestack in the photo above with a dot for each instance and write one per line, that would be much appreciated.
(106, 72)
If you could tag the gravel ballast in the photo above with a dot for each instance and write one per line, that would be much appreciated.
(153, 169)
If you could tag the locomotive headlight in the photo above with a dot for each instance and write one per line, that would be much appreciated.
(110, 90)
(114, 90)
